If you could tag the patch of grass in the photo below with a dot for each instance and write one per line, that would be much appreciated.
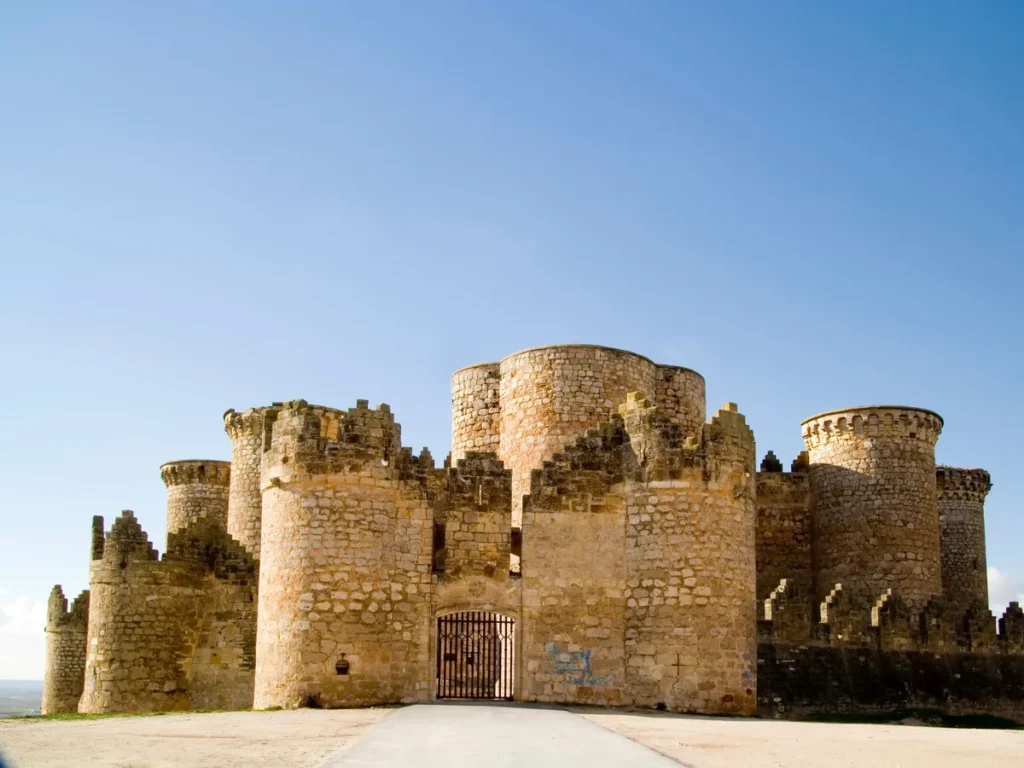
(921, 716)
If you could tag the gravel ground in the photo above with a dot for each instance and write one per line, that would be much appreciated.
(308, 738)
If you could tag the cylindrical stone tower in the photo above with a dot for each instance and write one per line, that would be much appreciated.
(245, 500)
(552, 395)
(876, 516)
(196, 488)
(476, 409)
(962, 523)
(65, 652)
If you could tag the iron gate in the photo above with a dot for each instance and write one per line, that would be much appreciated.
(474, 655)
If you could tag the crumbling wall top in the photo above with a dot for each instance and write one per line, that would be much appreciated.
(965, 484)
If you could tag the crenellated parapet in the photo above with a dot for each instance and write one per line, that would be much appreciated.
(1011, 628)
(124, 543)
(954, 483)
(871, 421)
(771, 463)
(196, 472)
(887, 623)
(196, 488)
(304, 439)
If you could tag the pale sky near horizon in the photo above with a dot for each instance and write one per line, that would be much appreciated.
(216, 205)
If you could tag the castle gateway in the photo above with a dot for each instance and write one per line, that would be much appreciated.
(592, 538)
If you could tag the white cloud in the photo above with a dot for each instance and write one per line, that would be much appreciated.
(1003, 588)
(22, 640)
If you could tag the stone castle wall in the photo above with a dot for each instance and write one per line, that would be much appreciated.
(783, 529)
(65, 652)
(146, 647)
(962, 525)
(876, 520)
(658, 568)
(195, 489)
(629, 529)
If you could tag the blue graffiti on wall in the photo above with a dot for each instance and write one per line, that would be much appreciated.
(575, 665)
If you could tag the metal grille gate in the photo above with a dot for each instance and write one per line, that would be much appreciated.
(475, 656)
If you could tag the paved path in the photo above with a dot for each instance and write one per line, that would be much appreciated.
(492, 736)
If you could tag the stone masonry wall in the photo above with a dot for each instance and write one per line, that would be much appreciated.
(876, 520)
(797, 680)
(629, 529)
(473, 502)
(221, 663)
(574, 581)
(65, 652)
(153, 637)
(551, 396)
(783, 531)
(140, 611)
(679, 394)
(962, 526)
(196, 488)
(346, 562)
(245, 498)
(690, 613)
(476, 410)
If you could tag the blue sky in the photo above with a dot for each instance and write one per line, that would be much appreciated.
(205, 206)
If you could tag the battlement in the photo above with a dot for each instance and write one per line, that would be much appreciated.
(876, 421)
(887, 622)
(641, 444)
(59, 618)
(314, 439)
(242, 424)
(190, 471)
(771, 463)
(124, 542)
(962, 484)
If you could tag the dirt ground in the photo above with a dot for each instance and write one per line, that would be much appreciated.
(709, 742)
(297, 738)
(304, 738)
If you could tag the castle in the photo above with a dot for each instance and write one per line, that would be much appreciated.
(592, 538)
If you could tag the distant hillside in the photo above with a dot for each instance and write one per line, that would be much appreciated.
(20, 697)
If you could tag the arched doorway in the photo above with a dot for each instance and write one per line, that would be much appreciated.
(475, 652)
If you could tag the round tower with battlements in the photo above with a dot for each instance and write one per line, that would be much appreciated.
(346, 560)
(962, 495)
(196, 488)
(65, 652)
(245, 500)
(537, 401)
(876, 517)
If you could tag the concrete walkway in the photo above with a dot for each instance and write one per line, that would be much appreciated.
(492, 736)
